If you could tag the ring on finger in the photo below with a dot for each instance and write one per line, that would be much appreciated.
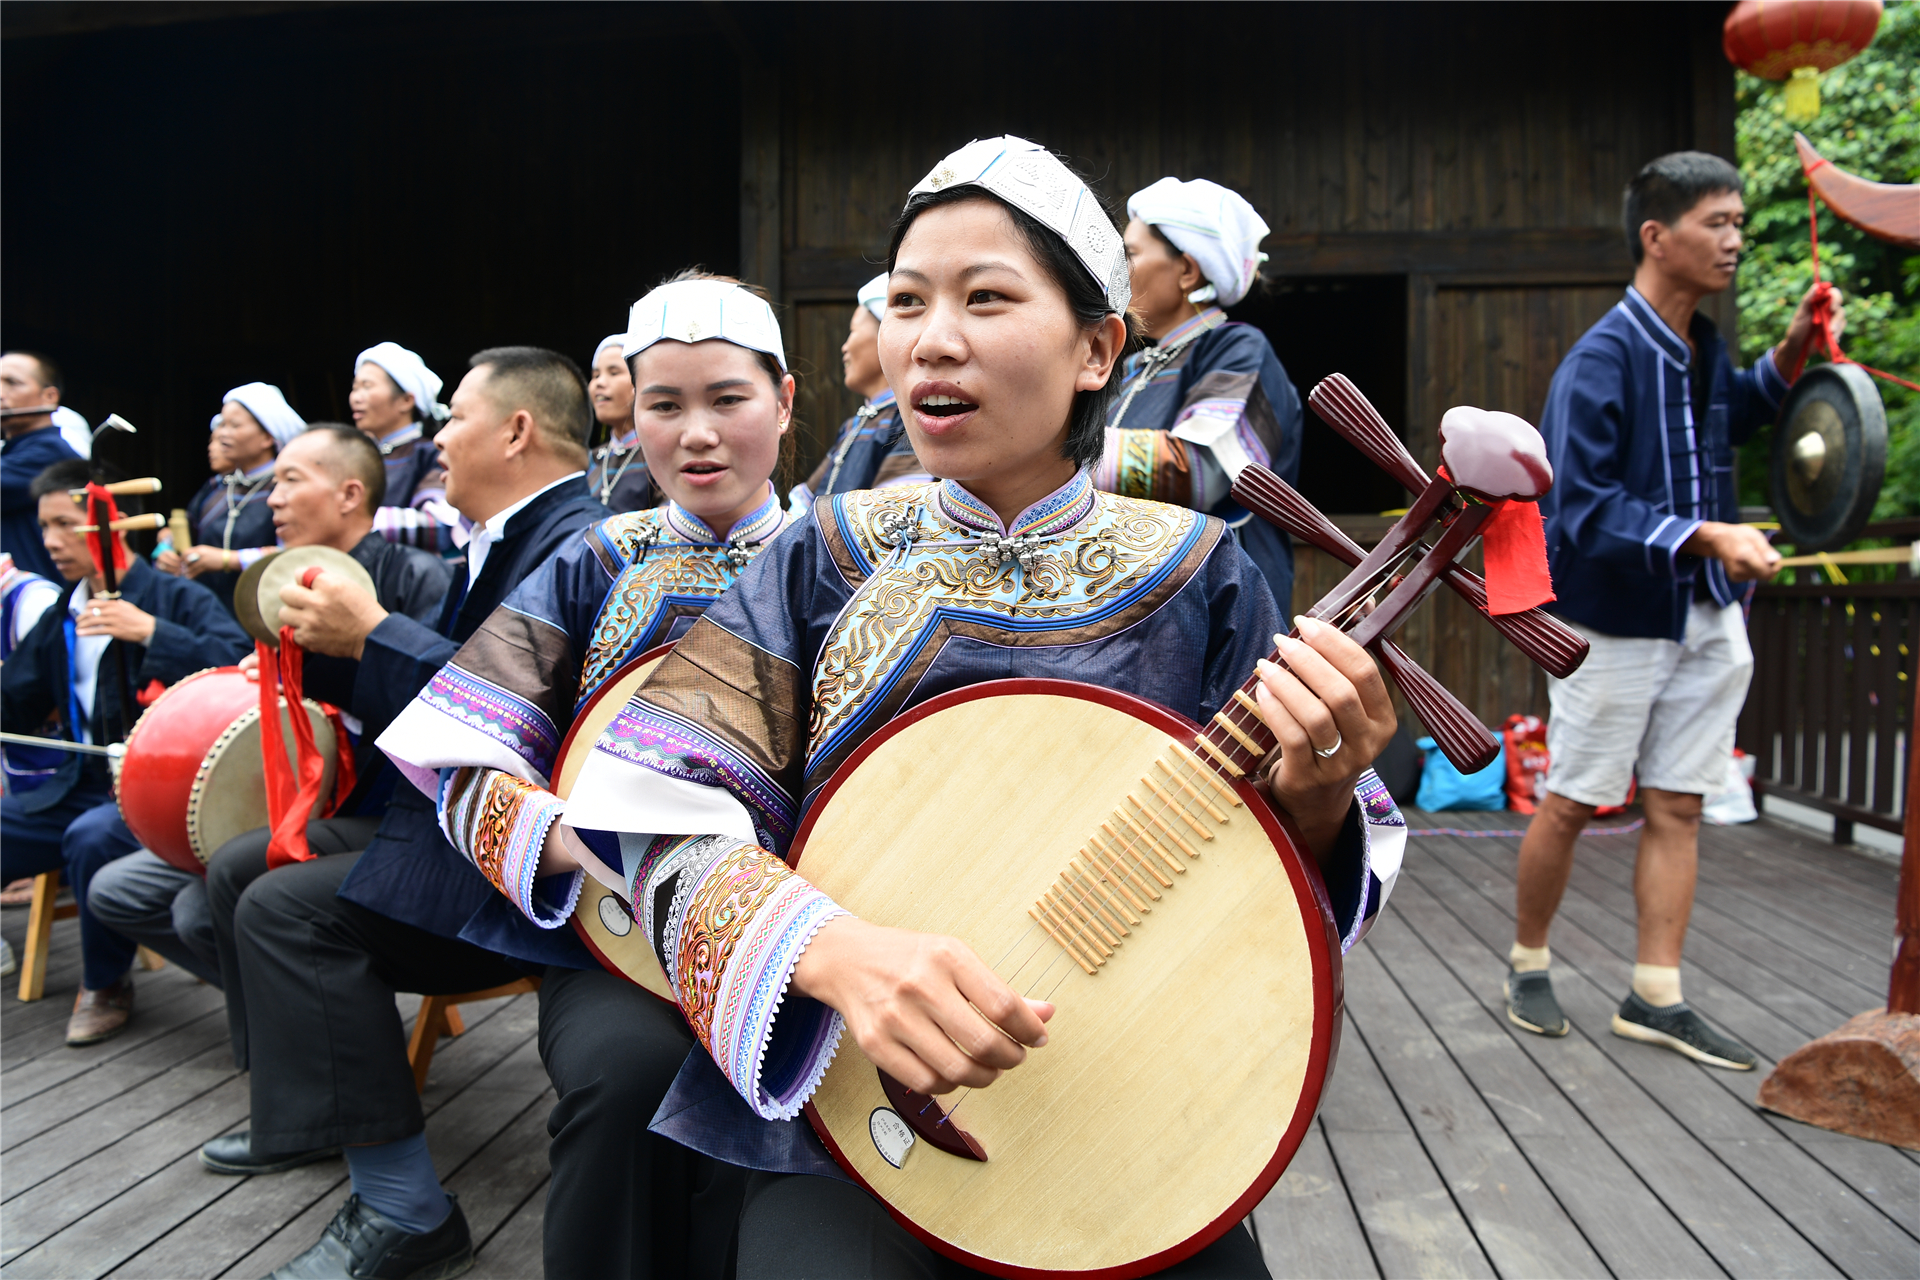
(1329, 752)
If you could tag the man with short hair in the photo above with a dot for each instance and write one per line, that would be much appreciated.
(323, 945)
(328, 482)
(1646, 549)
(28, 381)
(86, 662)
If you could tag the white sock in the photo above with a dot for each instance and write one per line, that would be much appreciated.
(1528, 959)
(1657, 984)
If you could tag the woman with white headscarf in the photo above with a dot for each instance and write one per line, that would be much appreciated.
(1209, 395)
(229, 515)
(617, 472)
(871, 450)
(396, 400)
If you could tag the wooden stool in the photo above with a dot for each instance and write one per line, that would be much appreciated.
(438, 1016)
(40, 918)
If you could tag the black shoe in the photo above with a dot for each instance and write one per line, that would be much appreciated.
(362, 1243)
(1530, 1003)
(1679, 1028)
(233, 1154)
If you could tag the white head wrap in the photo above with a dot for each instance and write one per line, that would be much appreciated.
(1032, 179)
(1216, 226)
(269, 408)
(695, 310)
(409, 373)
(873, 296)
(611, 340)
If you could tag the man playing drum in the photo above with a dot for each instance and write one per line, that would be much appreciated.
(320, 947)
(82, 663)
(328, 482)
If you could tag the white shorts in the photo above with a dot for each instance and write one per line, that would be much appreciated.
(1662, 710)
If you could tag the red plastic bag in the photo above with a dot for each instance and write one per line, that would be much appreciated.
(1526, 738)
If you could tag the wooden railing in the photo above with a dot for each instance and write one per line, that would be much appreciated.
(1827, 715)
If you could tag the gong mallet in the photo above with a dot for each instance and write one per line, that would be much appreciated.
(1554, 646)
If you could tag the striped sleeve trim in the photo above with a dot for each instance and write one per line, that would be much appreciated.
(1663, 544)
(1768, 379)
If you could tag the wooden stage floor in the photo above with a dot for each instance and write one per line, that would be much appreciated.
(1450, 1142)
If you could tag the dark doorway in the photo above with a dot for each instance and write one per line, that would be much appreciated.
(1353, 325)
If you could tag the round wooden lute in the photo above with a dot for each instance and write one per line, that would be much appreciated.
(601, 917)
(1180, 1076)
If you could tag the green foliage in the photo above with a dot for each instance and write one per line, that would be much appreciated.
(1869, 125)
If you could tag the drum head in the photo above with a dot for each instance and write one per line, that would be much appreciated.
(1829, 457)
(256, 599)
(229, 795)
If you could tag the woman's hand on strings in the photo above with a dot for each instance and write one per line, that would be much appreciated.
(924, 1008)
(1330, 710)
(250, 666)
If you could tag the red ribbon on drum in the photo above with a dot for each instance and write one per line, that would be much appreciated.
(293, 792)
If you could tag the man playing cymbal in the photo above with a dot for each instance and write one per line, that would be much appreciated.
(328, 482)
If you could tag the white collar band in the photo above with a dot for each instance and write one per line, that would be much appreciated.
(697, 310)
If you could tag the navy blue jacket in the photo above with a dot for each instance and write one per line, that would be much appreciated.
(24, 457)
(1636, 471)
(410, 873)
(191, 633)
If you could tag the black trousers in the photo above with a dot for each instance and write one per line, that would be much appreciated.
(624, 1202)
(237, 864)
(327, 1053)
(797, 1227)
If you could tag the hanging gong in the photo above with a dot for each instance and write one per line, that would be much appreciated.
(1829, 457)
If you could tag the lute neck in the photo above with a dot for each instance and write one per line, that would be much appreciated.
(1236, 741)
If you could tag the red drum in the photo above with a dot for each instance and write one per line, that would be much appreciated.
(193, 778)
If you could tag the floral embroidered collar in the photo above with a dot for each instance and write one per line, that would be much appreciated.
(1053, 515)
(766, 520)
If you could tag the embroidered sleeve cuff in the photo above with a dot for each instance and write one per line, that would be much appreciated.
(500, 822)
(1365, 862)
(1145, 464)
(738, 922)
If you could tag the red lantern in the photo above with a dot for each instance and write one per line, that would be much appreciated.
(1795, 40)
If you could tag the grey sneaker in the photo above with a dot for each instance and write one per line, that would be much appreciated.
(1530, 1003)
(1679, 1028)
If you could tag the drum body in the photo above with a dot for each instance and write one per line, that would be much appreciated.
(193, 776)
(1179, 1078)
(601, 917)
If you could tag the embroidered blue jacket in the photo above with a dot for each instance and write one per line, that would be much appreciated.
(1636, 471)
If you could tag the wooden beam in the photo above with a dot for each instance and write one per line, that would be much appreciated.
(1572, 255)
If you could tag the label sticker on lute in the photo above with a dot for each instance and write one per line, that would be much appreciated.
(616, 919)
(891, 1136)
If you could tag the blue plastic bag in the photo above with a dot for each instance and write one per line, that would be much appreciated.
(1444, 787)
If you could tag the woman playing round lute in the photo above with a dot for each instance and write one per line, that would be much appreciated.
(711, 424)
(1006, 316)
